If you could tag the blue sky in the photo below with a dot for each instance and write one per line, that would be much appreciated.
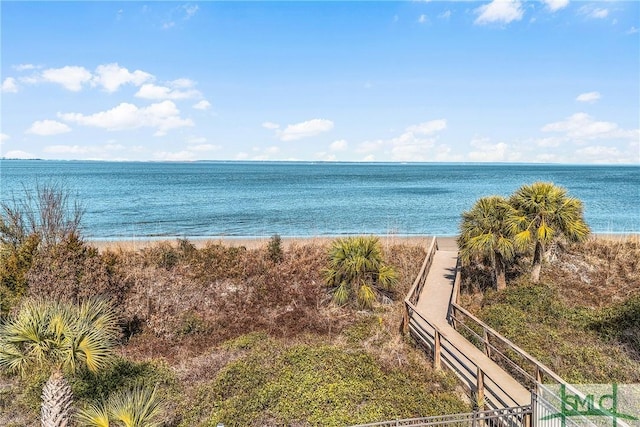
(491, 81)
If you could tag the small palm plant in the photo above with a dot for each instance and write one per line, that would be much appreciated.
(135, 407)
(357, 271)
(545, 213)
(485, 235)
(63, 338)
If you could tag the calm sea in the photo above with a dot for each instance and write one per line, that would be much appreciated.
(204, 199)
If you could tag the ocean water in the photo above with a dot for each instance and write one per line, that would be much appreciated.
(136, 200)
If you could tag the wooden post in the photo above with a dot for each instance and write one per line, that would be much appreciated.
(480, 388)
(405, 320)
(538, 379)
(454, 319)
(485, 341)
(436, 349)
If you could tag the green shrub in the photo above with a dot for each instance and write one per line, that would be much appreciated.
(319, 385)
(621, 322)
(274, 249)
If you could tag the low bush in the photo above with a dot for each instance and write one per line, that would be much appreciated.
(72, 270)
(319, 385)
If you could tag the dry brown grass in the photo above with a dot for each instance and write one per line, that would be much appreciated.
(596, 273)
(183, 299)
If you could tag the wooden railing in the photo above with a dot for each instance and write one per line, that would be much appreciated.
(418, 283)
(485, 389)
(523, 367)
(520, 364)
(516, 416)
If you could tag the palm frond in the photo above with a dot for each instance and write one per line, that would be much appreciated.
(95, 415)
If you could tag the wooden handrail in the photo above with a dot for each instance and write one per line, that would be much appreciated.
(409, 322)
(520, 352)
(418, 283)
(470, 365)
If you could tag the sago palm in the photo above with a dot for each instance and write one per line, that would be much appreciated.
(60, 337)
(545, 213)
(357, 271)
(135, 407)
(484, 234)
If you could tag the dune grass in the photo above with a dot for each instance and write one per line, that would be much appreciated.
(582, 320)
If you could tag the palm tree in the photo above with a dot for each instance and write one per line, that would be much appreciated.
(484, 234)
(545, 213)
(356, 268)
(135, 407)
(61, 337)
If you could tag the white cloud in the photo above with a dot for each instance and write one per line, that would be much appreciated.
(205, 147)
(581, 126)
(369, 146)
(18, 154)
(555, 5)
(70, 77)
(551, 141)
(270, 125)
(485, 151)
(151, 91)
(196, 140)
(599, 152)
(305, 129)
(504, 11)
(428, 128)
(369, 158)
(445, 15)
(190, 10)
(325, 157)
(24, 67)
(202, 105)
(632, 30)
(594, 12)
(67, 149)
(182, 83)
(266, 153)
(339, 145)
(4, 137)
(588, 97)
(48, 127)
(168, 25)
(162, 116)
(416, 143)
(112, 76)
(9, 85)
(599, 13)
(423, 19)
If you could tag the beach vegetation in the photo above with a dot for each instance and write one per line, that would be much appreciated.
(49, 212)
(544, 213)
(582, 319)
(73, 271)
(485, 235)
(274, 248)
(357, 272)
(59, 338)
(138, 406)
(498, 233)
(319, 384)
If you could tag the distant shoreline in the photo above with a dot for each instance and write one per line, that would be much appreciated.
(444, 242)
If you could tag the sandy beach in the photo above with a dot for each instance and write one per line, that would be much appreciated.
(256, 242)
(444, 242)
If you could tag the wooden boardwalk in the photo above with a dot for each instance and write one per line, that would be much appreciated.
(496, 388)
